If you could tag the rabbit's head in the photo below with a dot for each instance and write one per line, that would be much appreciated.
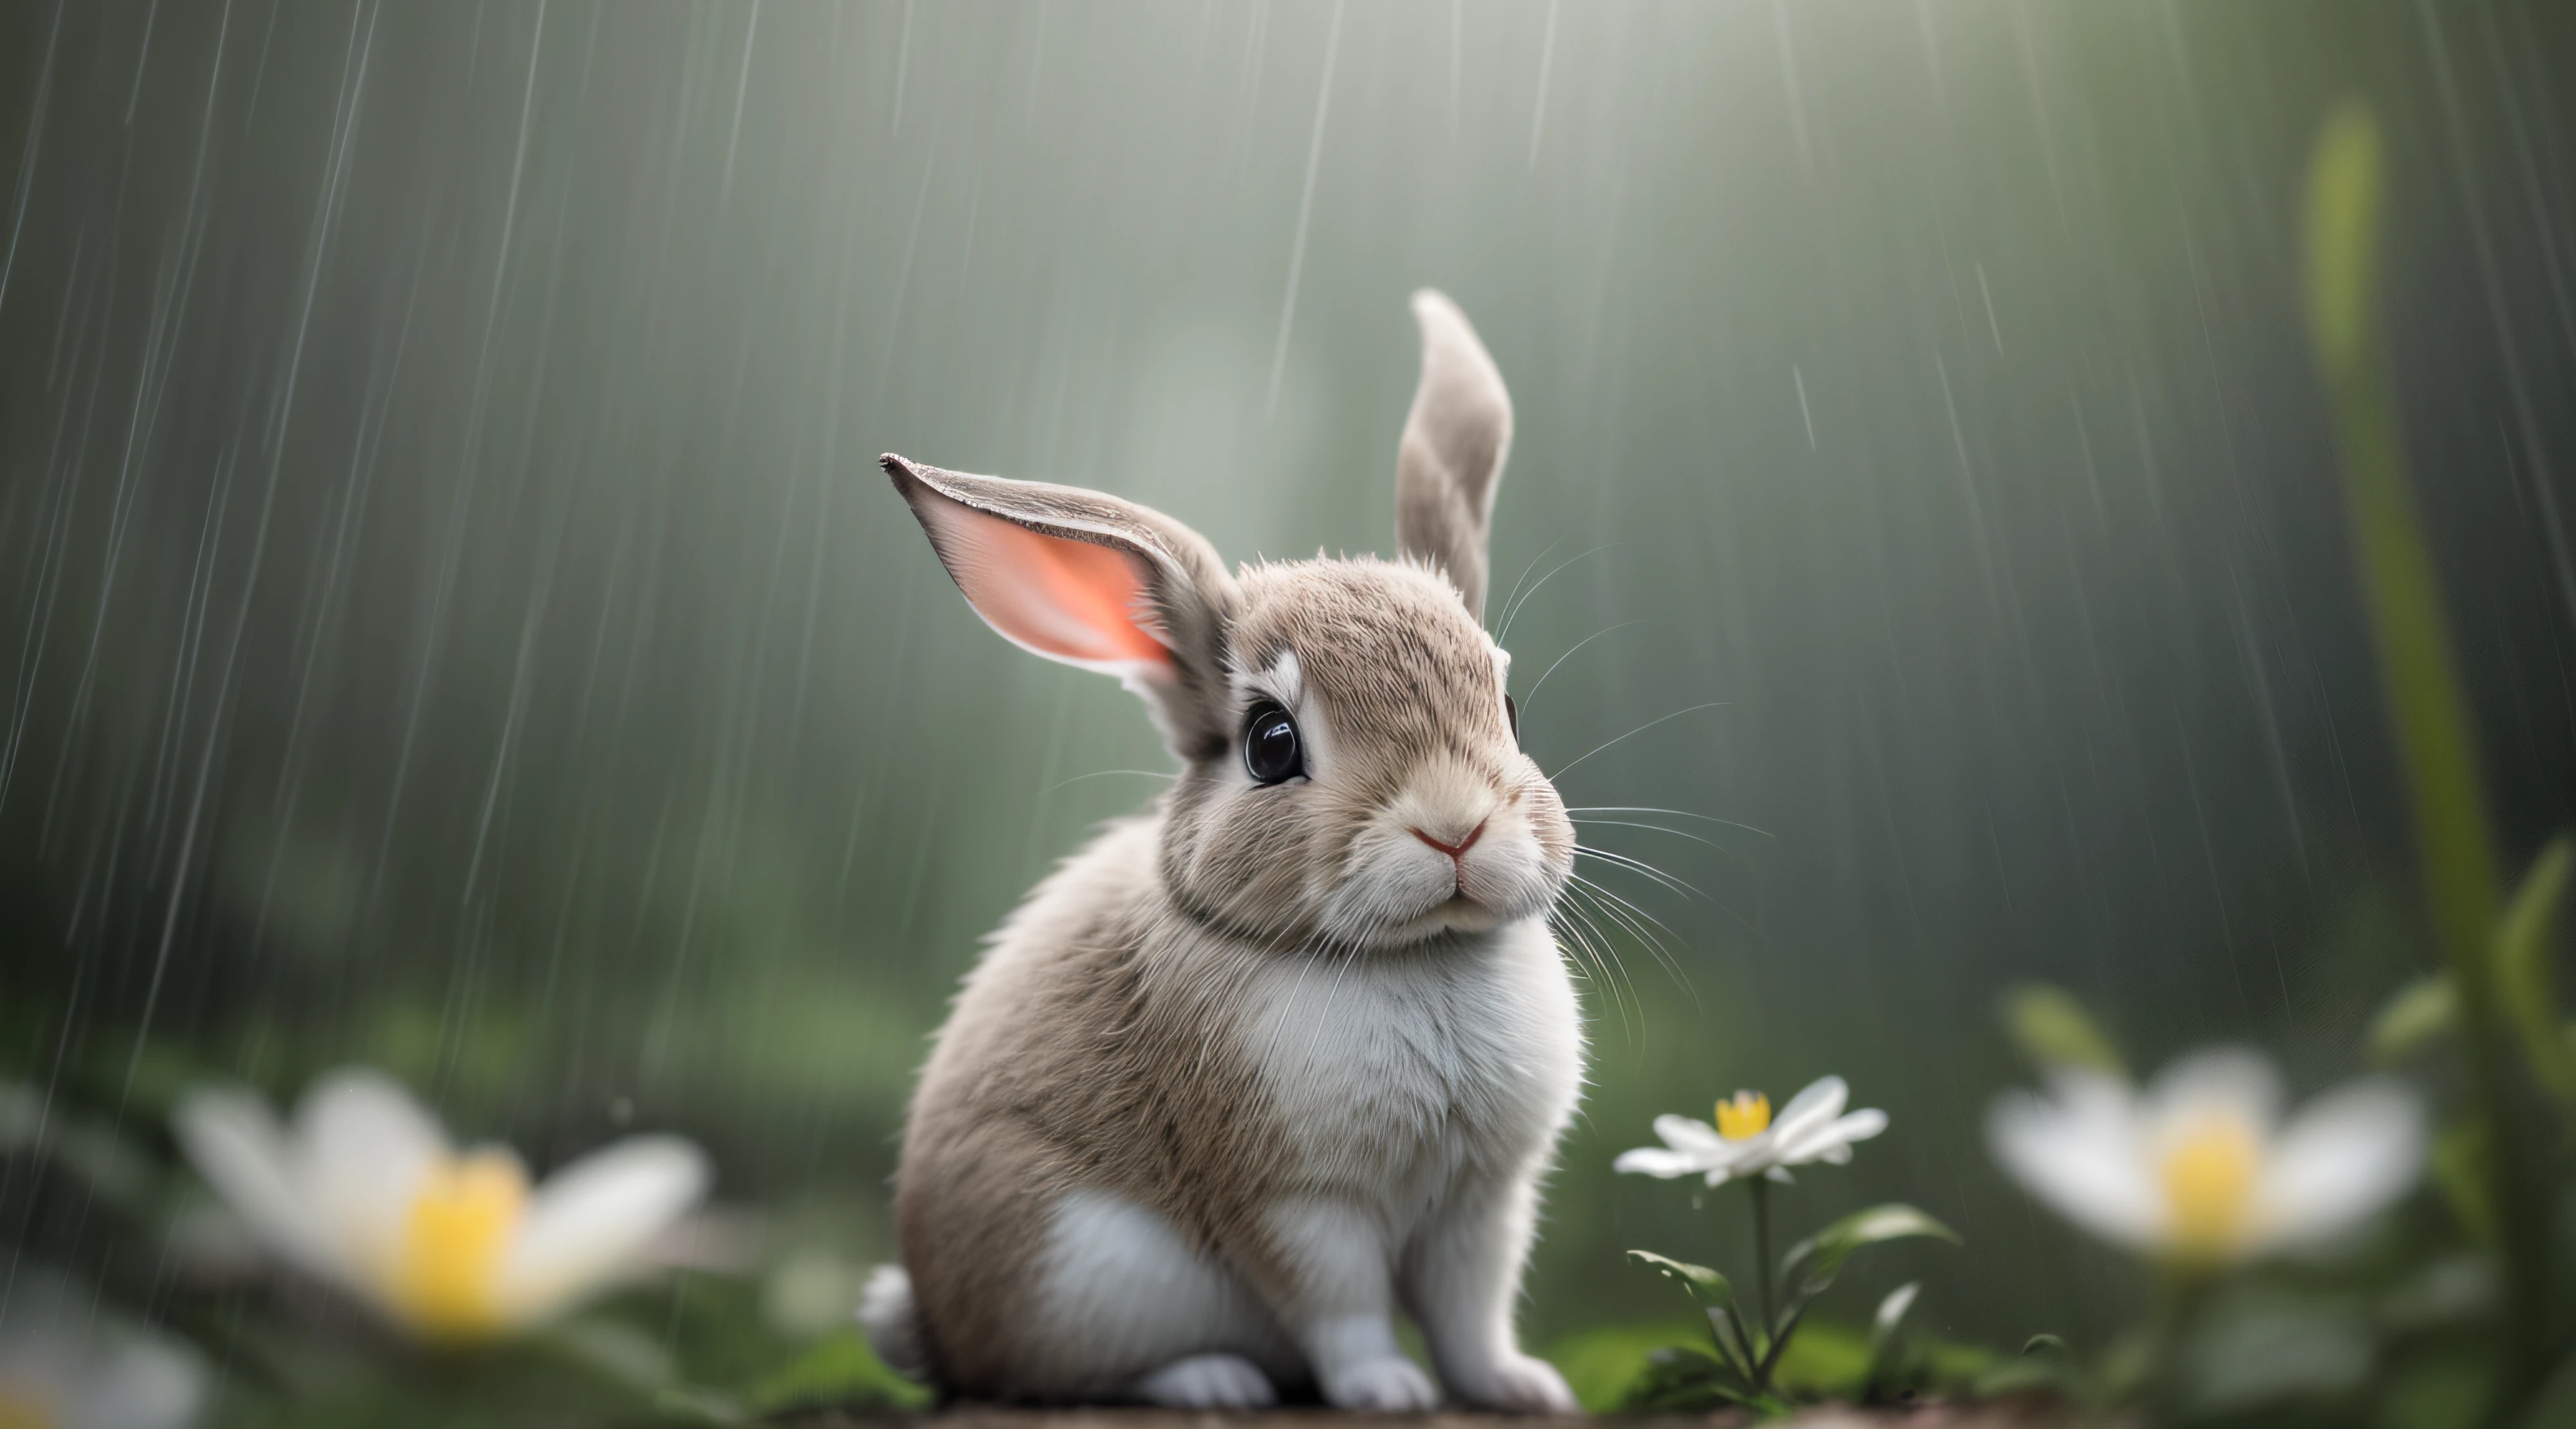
(1353, 772)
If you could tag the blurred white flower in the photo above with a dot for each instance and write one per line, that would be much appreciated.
(366, 1192)
(2199, 1169)
(61, 1368)
(1746, 1141)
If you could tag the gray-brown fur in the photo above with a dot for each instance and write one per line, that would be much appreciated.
(1450, 458)
(1104, 1042)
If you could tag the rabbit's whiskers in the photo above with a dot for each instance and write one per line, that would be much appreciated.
(1639, 865)
(1509, 600)
(1559, 771)
(1582, 932)
(1597, 946)
(1572, 809)
(1569, 654)
(1105, 773)
(1635, 920)
(1658, 828)
(1542, 580)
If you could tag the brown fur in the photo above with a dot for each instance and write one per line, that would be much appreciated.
(1100, 1044)
(1091, 1047)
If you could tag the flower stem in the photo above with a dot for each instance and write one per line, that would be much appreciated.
(2145, 1368)
(1760, 1189)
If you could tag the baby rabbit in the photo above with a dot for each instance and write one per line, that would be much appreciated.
(1294, 1048)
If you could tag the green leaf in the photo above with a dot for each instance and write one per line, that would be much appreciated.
(698, 1406)
(1681, 1381)
(1602, 1363)
(1734, 1340)
(2421, 1011)
(2462, 1171)
(1891, 1314)
(2044, 1341)
(840, 1371)
(2526, 972)
(1825, 1361)
(2419, 675)
(1704, 1284)
(2343, 240)
(1823, 1254)
(2052, 1029)
(2024, 1375)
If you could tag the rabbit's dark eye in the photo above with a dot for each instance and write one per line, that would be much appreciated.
(1512, 714)
(1272, 752)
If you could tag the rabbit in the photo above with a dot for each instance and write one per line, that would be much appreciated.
(1294, 1048)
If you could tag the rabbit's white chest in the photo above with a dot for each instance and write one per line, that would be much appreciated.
(1390, 1075)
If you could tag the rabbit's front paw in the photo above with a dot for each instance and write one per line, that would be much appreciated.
(1213, 1381)
(1523, 1384)
(1383, 1386)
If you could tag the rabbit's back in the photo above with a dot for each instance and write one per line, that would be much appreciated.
(1066, 1067)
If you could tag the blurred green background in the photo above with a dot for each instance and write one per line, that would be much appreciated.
(450, 617)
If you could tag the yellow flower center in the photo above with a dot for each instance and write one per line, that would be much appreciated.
(24, 1409)
(1743, 1116)
(460, 1223)
(2208, 1176)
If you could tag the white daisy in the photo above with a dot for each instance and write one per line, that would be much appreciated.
(63, 1366)
(1746, 1141)
(2199, 1170)
(367, 1193)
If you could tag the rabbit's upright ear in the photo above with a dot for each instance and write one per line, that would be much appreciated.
(1450, 458)
(1089, 580)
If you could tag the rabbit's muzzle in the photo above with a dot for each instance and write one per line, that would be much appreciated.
(1449, 855)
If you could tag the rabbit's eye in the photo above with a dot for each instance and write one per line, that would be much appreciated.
(1512, 715)
(1272, 752)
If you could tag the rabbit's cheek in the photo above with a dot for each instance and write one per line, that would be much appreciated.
(1244, 860)
(1508, 874)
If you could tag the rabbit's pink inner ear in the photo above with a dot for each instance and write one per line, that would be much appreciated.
(1075, 601)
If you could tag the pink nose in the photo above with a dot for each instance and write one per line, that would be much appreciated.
(1459, 849)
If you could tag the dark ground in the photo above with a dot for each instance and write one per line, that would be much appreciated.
(2013, 1413)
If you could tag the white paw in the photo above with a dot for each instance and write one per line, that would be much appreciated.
(1216, 1381)
(1521, 1384)
(1383, 1386)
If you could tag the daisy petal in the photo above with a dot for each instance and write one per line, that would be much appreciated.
(365, 1144)
(2080, 1155)
(2346, 1156)
(1694, 1138)
(2235, 1081)
(589, 1220)
(1836, 1135)
(1820, 1102)
(237, 1145)
(1658, 1161)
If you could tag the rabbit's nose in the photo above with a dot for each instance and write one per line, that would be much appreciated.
(1459, 849)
